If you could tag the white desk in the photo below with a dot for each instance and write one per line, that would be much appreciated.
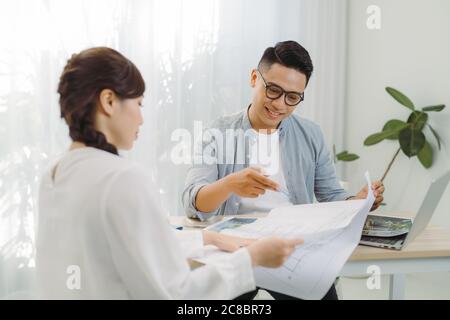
(429, 252)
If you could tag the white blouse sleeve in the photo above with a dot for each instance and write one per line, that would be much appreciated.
(191, 242)
(147, 255)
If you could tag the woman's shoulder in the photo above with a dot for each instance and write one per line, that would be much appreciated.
(125, 178)
(130, 184)
(106, 166)
(121, 167)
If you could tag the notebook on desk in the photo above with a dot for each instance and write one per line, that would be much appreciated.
(396, 232)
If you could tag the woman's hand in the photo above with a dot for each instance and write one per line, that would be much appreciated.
(267, 252)
(225, 242)
(272, 252)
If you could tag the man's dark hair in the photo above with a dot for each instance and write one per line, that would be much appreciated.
(289, 54)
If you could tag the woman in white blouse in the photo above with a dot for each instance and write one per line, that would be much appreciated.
(102, 233)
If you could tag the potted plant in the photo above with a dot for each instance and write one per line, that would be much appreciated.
(409, 134)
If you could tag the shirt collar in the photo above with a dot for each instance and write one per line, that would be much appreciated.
(283, 126)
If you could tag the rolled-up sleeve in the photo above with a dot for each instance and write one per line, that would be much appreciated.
(202, 172)
(191, 241)
(326, 185)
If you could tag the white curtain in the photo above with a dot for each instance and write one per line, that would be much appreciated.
(196, 58)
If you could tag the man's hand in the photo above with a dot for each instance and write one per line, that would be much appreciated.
(249, 183)
(378, 190)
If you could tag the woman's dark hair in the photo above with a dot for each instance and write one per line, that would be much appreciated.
(289, 54)
(85, 75)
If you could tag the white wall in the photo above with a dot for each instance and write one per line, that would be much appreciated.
(410, 52)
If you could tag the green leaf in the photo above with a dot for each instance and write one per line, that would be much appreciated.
(434, 108)
(400, 97)
(418, 120)
(348, 157)
(438, 139)
(396, 126)
(378, 137)
(343, 153)
(411, 141)
(426, 155)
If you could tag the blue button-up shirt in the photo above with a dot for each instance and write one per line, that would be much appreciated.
(306, 160)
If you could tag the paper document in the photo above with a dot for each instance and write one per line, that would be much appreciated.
(331, 232)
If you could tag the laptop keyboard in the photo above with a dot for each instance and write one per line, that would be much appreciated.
(388, 241)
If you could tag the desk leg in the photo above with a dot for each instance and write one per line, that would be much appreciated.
(397, 286)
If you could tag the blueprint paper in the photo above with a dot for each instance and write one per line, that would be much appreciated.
(331, 232)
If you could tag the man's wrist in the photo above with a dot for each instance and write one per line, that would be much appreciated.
(227, 184)
(351, 198)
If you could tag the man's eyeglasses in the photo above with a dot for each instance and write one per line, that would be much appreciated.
(273, 92)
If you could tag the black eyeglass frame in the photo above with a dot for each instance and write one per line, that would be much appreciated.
(282, 92)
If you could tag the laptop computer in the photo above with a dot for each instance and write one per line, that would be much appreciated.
(396, 232)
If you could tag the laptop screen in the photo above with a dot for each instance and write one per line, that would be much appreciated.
(429, 204)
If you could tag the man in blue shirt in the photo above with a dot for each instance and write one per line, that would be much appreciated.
(265, 156)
